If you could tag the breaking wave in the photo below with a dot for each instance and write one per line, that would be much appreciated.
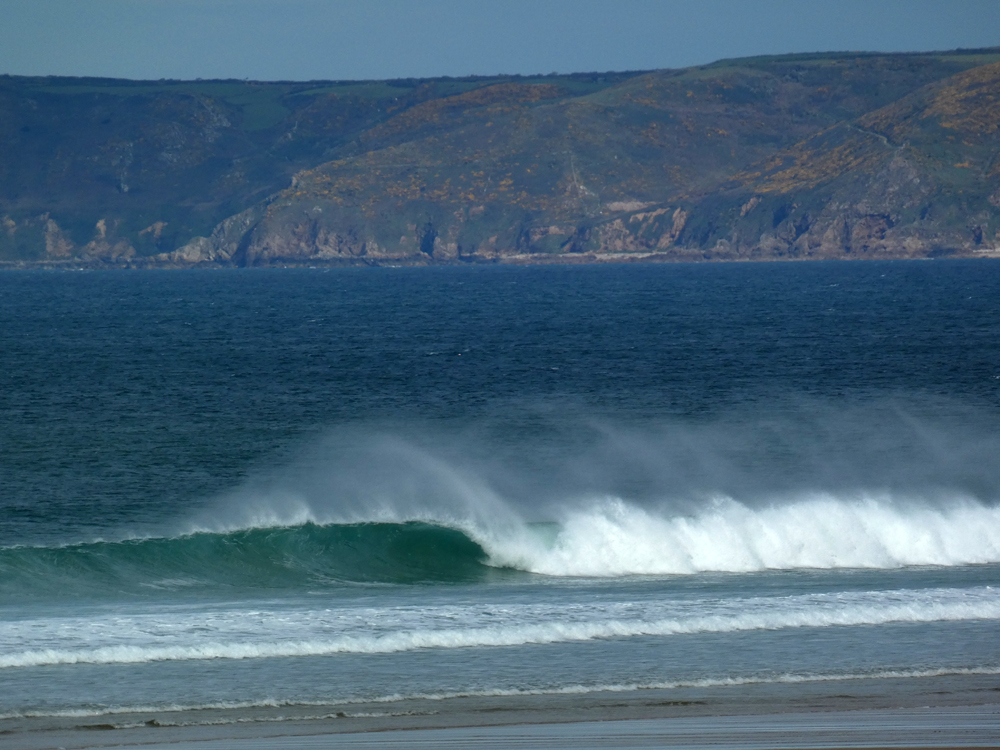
(614, 538)
(260, 558)
(608, 538)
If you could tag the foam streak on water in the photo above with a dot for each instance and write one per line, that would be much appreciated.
(166, 635)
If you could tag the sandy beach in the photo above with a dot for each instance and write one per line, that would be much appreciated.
(935, 712)
(977, 726)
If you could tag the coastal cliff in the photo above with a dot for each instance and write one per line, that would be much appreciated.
(792, 157)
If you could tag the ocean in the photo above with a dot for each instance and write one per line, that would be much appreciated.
(248, 497)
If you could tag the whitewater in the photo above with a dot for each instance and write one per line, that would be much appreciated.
(257, 633)
(606, 538)
(331, 495)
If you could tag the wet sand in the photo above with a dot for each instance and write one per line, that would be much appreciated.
(937, 712)
(899, 728)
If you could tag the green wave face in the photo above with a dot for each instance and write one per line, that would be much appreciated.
(289, 558)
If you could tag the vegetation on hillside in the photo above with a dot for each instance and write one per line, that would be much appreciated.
(827, 155)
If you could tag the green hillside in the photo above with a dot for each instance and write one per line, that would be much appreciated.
(827, 155)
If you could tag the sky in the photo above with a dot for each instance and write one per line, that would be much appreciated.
(373, 39)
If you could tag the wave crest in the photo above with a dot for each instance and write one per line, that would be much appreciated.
(606, 539)
(276, 558)
(614, 538)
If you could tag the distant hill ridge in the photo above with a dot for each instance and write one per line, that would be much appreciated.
(831, 155)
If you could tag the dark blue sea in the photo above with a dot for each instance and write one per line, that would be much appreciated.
(252, 495)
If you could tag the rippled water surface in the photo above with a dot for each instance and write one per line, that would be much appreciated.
(314, 488)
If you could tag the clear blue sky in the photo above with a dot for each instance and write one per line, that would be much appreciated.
(362, 39)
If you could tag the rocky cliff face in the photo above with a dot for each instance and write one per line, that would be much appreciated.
(782, 158)
(913, 179)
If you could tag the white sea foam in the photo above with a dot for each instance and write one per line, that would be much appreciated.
(614, 538)
(759, 519)
(259, 634)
